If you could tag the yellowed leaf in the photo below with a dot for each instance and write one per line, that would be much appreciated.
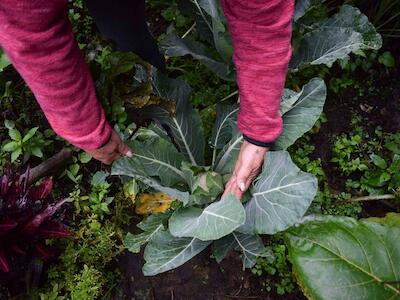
(150, 203)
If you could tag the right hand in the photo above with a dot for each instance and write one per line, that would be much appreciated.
(111, 151)
(248, 165)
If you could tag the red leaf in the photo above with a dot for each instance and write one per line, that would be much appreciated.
(3, 263)
(53, 230)
(7, 225)
(32, 225)
(17, 249)
(41, 191)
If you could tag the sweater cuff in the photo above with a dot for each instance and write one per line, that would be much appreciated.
(258, 143)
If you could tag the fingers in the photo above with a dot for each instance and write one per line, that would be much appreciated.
(245, 177)
(231, 188)
(111, 151)
(110, 158)
(247, 167)
(124, 149)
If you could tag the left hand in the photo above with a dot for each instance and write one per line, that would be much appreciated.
(248, 165)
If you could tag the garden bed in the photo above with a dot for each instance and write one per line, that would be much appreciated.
(348, 153)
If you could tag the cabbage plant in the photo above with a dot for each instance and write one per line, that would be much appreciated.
(169, 157)
(321, 42)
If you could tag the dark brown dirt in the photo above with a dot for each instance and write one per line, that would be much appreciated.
(200, 278)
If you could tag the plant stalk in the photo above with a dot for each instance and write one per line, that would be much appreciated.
(372, 198)
(50, 166)
(188, 31)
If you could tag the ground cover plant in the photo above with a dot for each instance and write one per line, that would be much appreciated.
(315, 222)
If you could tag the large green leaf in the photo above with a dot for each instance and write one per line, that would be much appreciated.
(216, 23)
(342, 258)
(150, 226)
(303, 6)
(166, 252)
(184, 123)
(227, 157)
(335, 38)
(158, 158)
(175, 46)
(150, 132)
(215, 221)
(134, 168)
(281, 195)
(211, 7)
(250, 247)
(133, 242)
(300, 111)
(222, 130)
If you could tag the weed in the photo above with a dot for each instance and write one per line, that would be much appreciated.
(30, 143)
(278, 267)
(82, 271)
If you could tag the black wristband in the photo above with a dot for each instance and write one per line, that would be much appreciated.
(258, 143)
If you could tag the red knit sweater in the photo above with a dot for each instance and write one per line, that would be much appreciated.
(37, 37)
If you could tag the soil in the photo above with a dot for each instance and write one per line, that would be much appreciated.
(200, 278)
(379, 109)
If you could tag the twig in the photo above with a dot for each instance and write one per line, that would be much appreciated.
(372, 198)
(188, 31)
(50, 166)
(229, 96)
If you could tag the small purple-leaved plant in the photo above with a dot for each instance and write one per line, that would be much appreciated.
(26, 218)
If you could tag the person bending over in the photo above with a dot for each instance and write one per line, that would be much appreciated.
(37, 37)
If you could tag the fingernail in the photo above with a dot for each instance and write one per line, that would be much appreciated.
(242, 186)
(129, 153)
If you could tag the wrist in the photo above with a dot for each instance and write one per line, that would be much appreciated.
(258, 143)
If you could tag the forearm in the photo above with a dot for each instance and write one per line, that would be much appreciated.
(38, 38)
(261, 33)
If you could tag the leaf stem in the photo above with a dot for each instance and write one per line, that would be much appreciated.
(202, 14)
(388, 21)
(372, 198)
(229, 96)
(188, 31)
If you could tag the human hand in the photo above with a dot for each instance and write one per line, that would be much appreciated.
(248, 165)
(111, 151)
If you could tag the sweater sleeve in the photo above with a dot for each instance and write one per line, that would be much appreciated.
(37, 37)
(261, 33)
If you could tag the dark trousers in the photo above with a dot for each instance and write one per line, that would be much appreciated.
(124, 22)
